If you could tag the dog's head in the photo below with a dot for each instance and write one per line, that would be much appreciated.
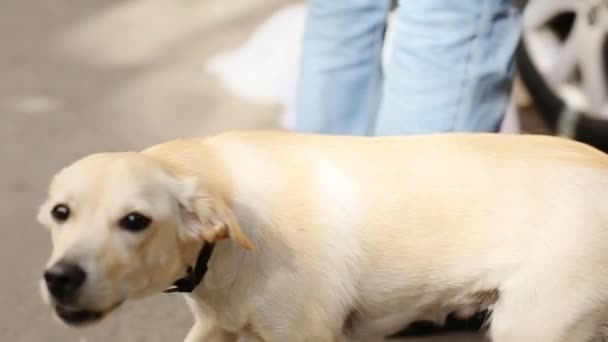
(124, 226)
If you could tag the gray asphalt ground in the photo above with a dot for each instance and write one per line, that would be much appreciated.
(84, 76)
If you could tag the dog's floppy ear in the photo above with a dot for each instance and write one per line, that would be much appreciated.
(207, 218)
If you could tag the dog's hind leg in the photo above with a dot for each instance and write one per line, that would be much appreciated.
(542, 314)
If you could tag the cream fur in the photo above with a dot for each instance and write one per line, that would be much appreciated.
(346, 238)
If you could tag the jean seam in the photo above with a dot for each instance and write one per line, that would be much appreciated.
(376, 84)
(467, 89)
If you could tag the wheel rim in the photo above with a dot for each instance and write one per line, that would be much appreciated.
(567, 41)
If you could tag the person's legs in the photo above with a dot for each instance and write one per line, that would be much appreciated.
(340, 78)
(451, 67)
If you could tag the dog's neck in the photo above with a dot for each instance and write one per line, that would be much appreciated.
(214, 176)
(211, 175)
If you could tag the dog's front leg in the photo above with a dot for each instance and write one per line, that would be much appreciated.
(205, 328)
(206, 332)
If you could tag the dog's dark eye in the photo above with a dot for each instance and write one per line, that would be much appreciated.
(60, 212)
(134, 222)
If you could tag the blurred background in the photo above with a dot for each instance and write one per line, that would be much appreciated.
(84, 76)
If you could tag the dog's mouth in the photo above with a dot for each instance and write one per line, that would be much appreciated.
(78, 317)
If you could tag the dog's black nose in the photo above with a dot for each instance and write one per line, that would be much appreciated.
(64, 279)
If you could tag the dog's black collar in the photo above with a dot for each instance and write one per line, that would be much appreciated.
(194, 276)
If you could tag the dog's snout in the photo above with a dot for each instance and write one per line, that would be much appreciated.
(64, 279)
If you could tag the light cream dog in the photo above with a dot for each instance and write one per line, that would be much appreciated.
(327, 238)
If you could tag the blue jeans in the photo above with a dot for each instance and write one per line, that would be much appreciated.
(451, 67)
